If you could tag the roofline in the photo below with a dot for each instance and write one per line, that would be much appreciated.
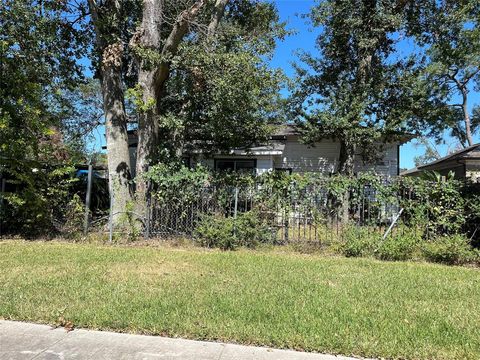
(402, 137)
(451, 156)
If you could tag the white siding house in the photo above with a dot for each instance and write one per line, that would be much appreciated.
(286, 152)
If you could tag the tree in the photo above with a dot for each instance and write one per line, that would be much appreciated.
(40, 45)
(154, 54)
(355, 92)
(360, 90)
(451, 34)
(220, 93)
(179, 66)
(39, 51)
(431, 153)
(112, 22)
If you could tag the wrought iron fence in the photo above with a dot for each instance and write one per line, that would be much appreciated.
(309, 214)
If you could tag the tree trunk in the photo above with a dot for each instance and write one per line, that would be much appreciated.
(152, 82)
(345, 167)
(216, 17)
(147, 139)
(110, 71)
(466, 118)
(150, 31)
(346, 158)
(118, 155)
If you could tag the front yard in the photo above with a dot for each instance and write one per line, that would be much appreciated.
(280, 299)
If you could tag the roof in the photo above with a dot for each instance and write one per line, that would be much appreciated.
(282, 131)
(469, 153)
(457, 155)
(415, 170)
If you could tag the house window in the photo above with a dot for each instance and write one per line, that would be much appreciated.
(241, 165)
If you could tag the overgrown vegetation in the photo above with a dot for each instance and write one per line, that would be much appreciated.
(439, 220)
(229, 233)
(435, 210)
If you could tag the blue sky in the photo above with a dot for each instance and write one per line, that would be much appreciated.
(304, 40)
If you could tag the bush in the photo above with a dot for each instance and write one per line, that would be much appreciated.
(36, 199)
(214, 231)
(452, 250)
(358, 241)
(228, 233)
(74, 218)
(399, 247)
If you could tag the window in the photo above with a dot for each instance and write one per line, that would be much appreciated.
(242, 165)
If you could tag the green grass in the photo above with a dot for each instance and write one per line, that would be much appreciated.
(280, 299)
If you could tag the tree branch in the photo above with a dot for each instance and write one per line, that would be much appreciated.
(216, 17)
(172, 42)
(468, 78)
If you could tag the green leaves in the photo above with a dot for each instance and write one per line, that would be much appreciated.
(39, 51)
(356, 91)
(223, 97)
(450, 35)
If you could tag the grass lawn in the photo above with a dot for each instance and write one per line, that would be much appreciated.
(280, 299)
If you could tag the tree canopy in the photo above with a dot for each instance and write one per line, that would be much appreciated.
(362, 91)
(450, 33)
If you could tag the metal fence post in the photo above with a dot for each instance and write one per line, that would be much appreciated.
(87, 199)
(147, 212)
(110, 218)
(236, 203)
(2, 191)
(235, 208)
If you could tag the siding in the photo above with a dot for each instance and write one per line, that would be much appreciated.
(302, 158)
(387, 166)
(323, 158)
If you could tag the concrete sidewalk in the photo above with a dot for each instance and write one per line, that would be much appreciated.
(31, 341)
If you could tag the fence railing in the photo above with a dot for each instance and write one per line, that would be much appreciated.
(311, 214)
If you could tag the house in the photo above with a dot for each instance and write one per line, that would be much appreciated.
(464, 163)
(284, 151)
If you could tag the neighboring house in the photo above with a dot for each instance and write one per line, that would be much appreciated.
(284, 151)
(465, 164)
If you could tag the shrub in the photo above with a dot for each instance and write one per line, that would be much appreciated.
(451, 250)
(358, 241)
(215, 231)
(252, 229)
(227, 233)
(36, 199)
(399, 247)
(74, 217)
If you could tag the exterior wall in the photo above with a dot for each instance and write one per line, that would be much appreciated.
(323, 158)
(298, 157)
(473, 171)
(387, 166)
(444, 168)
